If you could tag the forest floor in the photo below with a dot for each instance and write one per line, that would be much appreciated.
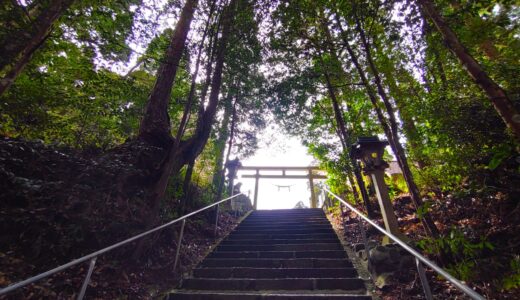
(489, 269)
(58, 204)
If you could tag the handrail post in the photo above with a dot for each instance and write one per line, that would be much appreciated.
(364, 238)
(179, 241)
(424, 280)
(87, 278)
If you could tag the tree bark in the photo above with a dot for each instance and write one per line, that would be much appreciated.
(188, 150)
(344, 146)
(191, 95)
(396, 146)
(18, 47)
(230, 141)
(186, 187)
(503, 105)
(341, 125)
(338, 113)
(155, 126)
(220, 144)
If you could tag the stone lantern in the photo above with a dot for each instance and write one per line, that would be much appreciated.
(370, 151)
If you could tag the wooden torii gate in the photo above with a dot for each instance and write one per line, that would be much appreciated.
(311, 175)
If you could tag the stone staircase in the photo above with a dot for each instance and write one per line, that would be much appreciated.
(276, 254)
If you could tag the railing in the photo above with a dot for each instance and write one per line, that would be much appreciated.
(419, 259)
(94, 255)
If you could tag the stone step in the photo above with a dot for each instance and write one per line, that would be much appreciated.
(268, 236)
(288, 211)
(285, 217)
(283, 231)
(285, 224)
(264, 295)
(276, 263)
(278, 241)
(242, 272)
(245, 284)
(283, 227)
(281, 247)
(279, 254)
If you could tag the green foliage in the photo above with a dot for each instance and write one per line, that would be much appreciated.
(500, 153)
(512, 281)
(463, 253)
(424, 209)
(396, 185)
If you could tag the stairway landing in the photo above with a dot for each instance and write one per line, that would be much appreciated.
(276, 254)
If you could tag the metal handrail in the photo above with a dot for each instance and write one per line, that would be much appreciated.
(93, 256)
(419, 258)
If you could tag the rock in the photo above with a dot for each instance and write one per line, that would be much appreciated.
(386, 262)
(383, 280)
(379, 255)
(362, 254)
(394, 255)
(372, 244)
(407, 262)
(358, 247)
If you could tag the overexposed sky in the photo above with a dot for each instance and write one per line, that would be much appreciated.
(278, 149)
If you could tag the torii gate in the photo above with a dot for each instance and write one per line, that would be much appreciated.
(310, 176)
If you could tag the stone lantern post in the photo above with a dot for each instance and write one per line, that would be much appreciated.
(370, 151)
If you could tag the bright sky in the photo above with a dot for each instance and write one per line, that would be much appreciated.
(278, 149)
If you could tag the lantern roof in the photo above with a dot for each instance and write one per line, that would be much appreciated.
(366, 143)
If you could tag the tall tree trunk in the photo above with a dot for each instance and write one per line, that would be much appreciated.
(197, 143)
(211, 51)
(186, 187)
(188, 150)
(191, 95)
(18, 47)
(338, 113)
(341, 125)
(220, 145)
(503, 105)
(396, 147)
(345, 148)
(155, 126)
(230, 141)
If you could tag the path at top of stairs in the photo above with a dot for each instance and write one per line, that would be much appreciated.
(276, 254)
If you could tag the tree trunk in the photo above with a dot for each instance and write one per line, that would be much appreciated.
(397, 147)
(191, 95)
(155, 126)
(213, 45)
(186, 187)
(338, 113)
(343, 130)
(17, 48)
(349, 168)
(220, 145)
(188, 150)
(503, 105)
(230, 142)
(197, 143)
